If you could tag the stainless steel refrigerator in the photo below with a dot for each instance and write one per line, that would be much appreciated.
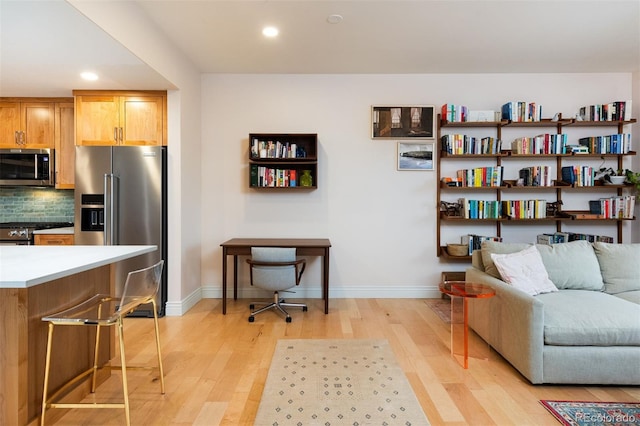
(121, 199)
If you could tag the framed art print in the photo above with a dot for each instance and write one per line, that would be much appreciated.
(415, 156)
(403, 122)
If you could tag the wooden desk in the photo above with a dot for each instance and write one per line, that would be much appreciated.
(304, 247)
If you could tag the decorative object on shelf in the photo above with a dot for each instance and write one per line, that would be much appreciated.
(451, 209)
(457, 249)
(415, 156)
(403, 122)
(553, 208)
(306, 179)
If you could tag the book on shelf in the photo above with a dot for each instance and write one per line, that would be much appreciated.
(536, 176)
(609, 144)
(456, 144)
(613, 111)
(541, 144)
(480, 209)
(565, 237)
(521, 111)
(265, 177)
(474, 242)
(480, 176)
(578, 175)
(277, 149)
(453, 113)
(524, 209)
(618, 207)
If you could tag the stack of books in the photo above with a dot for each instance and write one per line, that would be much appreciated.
(474, 242)
(454, 113)
(481, 176)
(525, 209)
(611, 144)
(565, 237)
(613, 111)
(457, 144)
(521, 111)
(536, 176)
(540, 144)
(578, 175)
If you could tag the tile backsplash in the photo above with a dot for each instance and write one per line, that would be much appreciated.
(24, 204)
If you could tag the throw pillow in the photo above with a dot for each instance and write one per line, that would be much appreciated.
(620, 266)
(525, 271)
(489, 247)
(572, 265)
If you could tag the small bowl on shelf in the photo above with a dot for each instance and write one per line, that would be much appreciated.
(617, 180)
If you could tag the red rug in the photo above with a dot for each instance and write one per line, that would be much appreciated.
(583, 413)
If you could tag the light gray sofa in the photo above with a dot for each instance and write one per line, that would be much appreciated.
(588, 332)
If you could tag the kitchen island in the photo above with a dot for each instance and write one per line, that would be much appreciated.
(40, 280)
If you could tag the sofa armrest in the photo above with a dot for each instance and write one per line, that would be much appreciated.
(512, 322)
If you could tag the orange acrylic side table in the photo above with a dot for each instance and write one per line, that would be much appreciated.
(461, 291)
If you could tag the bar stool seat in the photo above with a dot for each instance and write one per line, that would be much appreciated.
(99, 311)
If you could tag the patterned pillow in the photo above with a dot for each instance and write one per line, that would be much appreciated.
(489, 247)
(525, 271)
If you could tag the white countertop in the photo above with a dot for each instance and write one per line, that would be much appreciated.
(26, 266)
(57, 231)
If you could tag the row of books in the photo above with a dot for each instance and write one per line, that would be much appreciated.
(565, 237)
(454, 113)
(457, 144)
(541, 144)
(271, 177)
(619, 207)
(277, 149)
(536, 176)
(610, 144)
(524, 209)
(480, 176)
(613, 111)
(474, 242)
(578, 175)
(521, 111)
(480, 209)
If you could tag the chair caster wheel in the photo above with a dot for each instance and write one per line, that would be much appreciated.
(304, 309)
(288, 319)
(252, 307)
(251, 319)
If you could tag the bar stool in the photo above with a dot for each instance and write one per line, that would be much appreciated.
(99, 311)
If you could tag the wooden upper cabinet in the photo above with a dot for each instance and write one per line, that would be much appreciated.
(26, 124)
(120, 118)
(65, 146)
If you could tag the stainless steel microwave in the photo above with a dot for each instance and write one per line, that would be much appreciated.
(27, 167)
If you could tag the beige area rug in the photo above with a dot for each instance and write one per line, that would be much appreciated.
(337, 382)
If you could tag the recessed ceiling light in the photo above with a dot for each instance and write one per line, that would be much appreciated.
(334, 19)
(88, 75)
(270, 31)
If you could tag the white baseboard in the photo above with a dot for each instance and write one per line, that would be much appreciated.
(395, 292)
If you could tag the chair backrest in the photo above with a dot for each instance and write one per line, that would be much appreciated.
(141, 287)
(279, 277)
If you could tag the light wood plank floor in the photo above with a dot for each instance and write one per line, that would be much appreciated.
(216, 366)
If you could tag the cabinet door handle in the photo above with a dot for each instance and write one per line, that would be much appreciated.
(115, 134)
(16, 137)
(121, 135)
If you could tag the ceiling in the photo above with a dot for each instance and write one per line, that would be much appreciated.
(45, 44)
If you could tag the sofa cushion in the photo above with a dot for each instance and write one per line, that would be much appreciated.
(524, 270)
(620, 266)
(589, 318)
(572, 265)
(489, 247)
(631, 296)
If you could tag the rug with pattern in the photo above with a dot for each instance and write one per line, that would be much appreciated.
(579, 413)
(337, 382)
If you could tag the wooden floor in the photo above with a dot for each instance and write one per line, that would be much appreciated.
(216, 366)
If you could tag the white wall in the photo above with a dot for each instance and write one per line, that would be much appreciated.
(381, 221)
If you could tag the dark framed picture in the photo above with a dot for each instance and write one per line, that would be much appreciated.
(415, 155)
(403, 122)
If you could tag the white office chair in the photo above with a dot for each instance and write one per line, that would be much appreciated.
(103, 310)
(276, 269)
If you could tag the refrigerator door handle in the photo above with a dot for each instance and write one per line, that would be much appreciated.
(110, 209)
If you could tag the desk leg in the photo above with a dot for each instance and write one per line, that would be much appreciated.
(325, 280)
(235, 277)
(224, 281)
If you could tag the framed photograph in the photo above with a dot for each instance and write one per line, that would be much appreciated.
(415, 156)
(403, 122)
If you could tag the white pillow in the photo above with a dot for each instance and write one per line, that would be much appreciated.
(525, 271)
